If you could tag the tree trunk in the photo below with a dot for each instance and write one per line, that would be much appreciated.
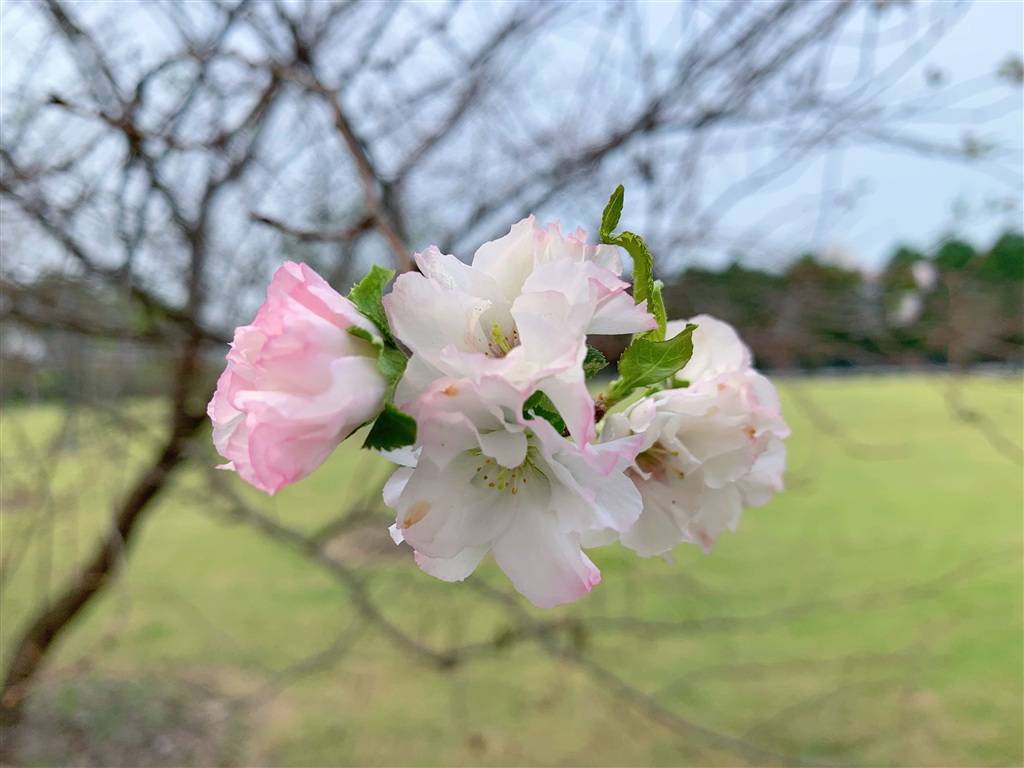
(37, 639)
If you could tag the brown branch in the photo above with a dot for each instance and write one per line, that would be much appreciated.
(873, 599)
(31, 648)
(96, 70)
(641, 701)
(40, 214)
(376, 196)
(984, 425)
(315, 235)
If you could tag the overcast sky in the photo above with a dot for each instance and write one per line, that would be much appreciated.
(881, 196)
(919, 199)
(877, 196)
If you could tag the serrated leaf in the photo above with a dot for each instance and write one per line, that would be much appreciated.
(367, 293)
(656, 306)
(648, 362)
(594, 362)
(612, 212)
(540, 406)
(391, 362)
(392, 429)
(362, 333)
(645, 287)
(643, 263)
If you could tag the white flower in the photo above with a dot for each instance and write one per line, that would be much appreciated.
(487, 479)
(908, 311)
(521, 312)
(717, 349)
(710, 449)
(925, 274)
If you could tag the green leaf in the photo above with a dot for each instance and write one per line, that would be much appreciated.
(656, 306)
(362, 333)
(392, 429)
(367, 293)
(594, 362)
(635, 396)
(391, 362)
(643, 263)
(612, 212)
(644, 285)
(648, 362)
(540, 406)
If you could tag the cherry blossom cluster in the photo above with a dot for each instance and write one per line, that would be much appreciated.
(474, 379)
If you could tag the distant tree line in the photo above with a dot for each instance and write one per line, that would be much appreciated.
(956, 305)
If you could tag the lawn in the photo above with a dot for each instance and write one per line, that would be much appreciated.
(869, 615)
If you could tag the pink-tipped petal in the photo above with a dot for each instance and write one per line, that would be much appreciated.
(297, 382)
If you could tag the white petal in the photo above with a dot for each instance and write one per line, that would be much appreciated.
(396, 533)
(441, 513)
(452, 568)
(458, 415)
(608, 257)
(717, 348)
(509, 259)
(403, 457)
(550, 328)
(656, 531)
(506, 447)
(419, 374)
(720, 511)
(569, 394)
(455, 275)
(546, 565)
(569, 279)
(592, 492)
(395, 485)
(427, 317)
(765, 478)
(620, 314)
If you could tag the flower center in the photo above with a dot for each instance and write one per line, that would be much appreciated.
(499, 344)
(655, 461)
(510, 479)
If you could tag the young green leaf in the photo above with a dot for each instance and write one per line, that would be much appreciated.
(648, 362)
(621, 405)
(643, 263)
(391, 362)
(594, 362)
(656, 306)
(367, 293)
(362, 333)
(392, 429)
(644, 284)
(612, 213)
(540, 406)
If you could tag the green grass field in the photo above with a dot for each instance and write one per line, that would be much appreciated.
(871, 615)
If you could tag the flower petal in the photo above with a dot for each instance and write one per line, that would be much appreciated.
(509, 259)
(427, 316)
(545, 564)
(717, 348)
(452, 568)
(296, 384)
(441, 513)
